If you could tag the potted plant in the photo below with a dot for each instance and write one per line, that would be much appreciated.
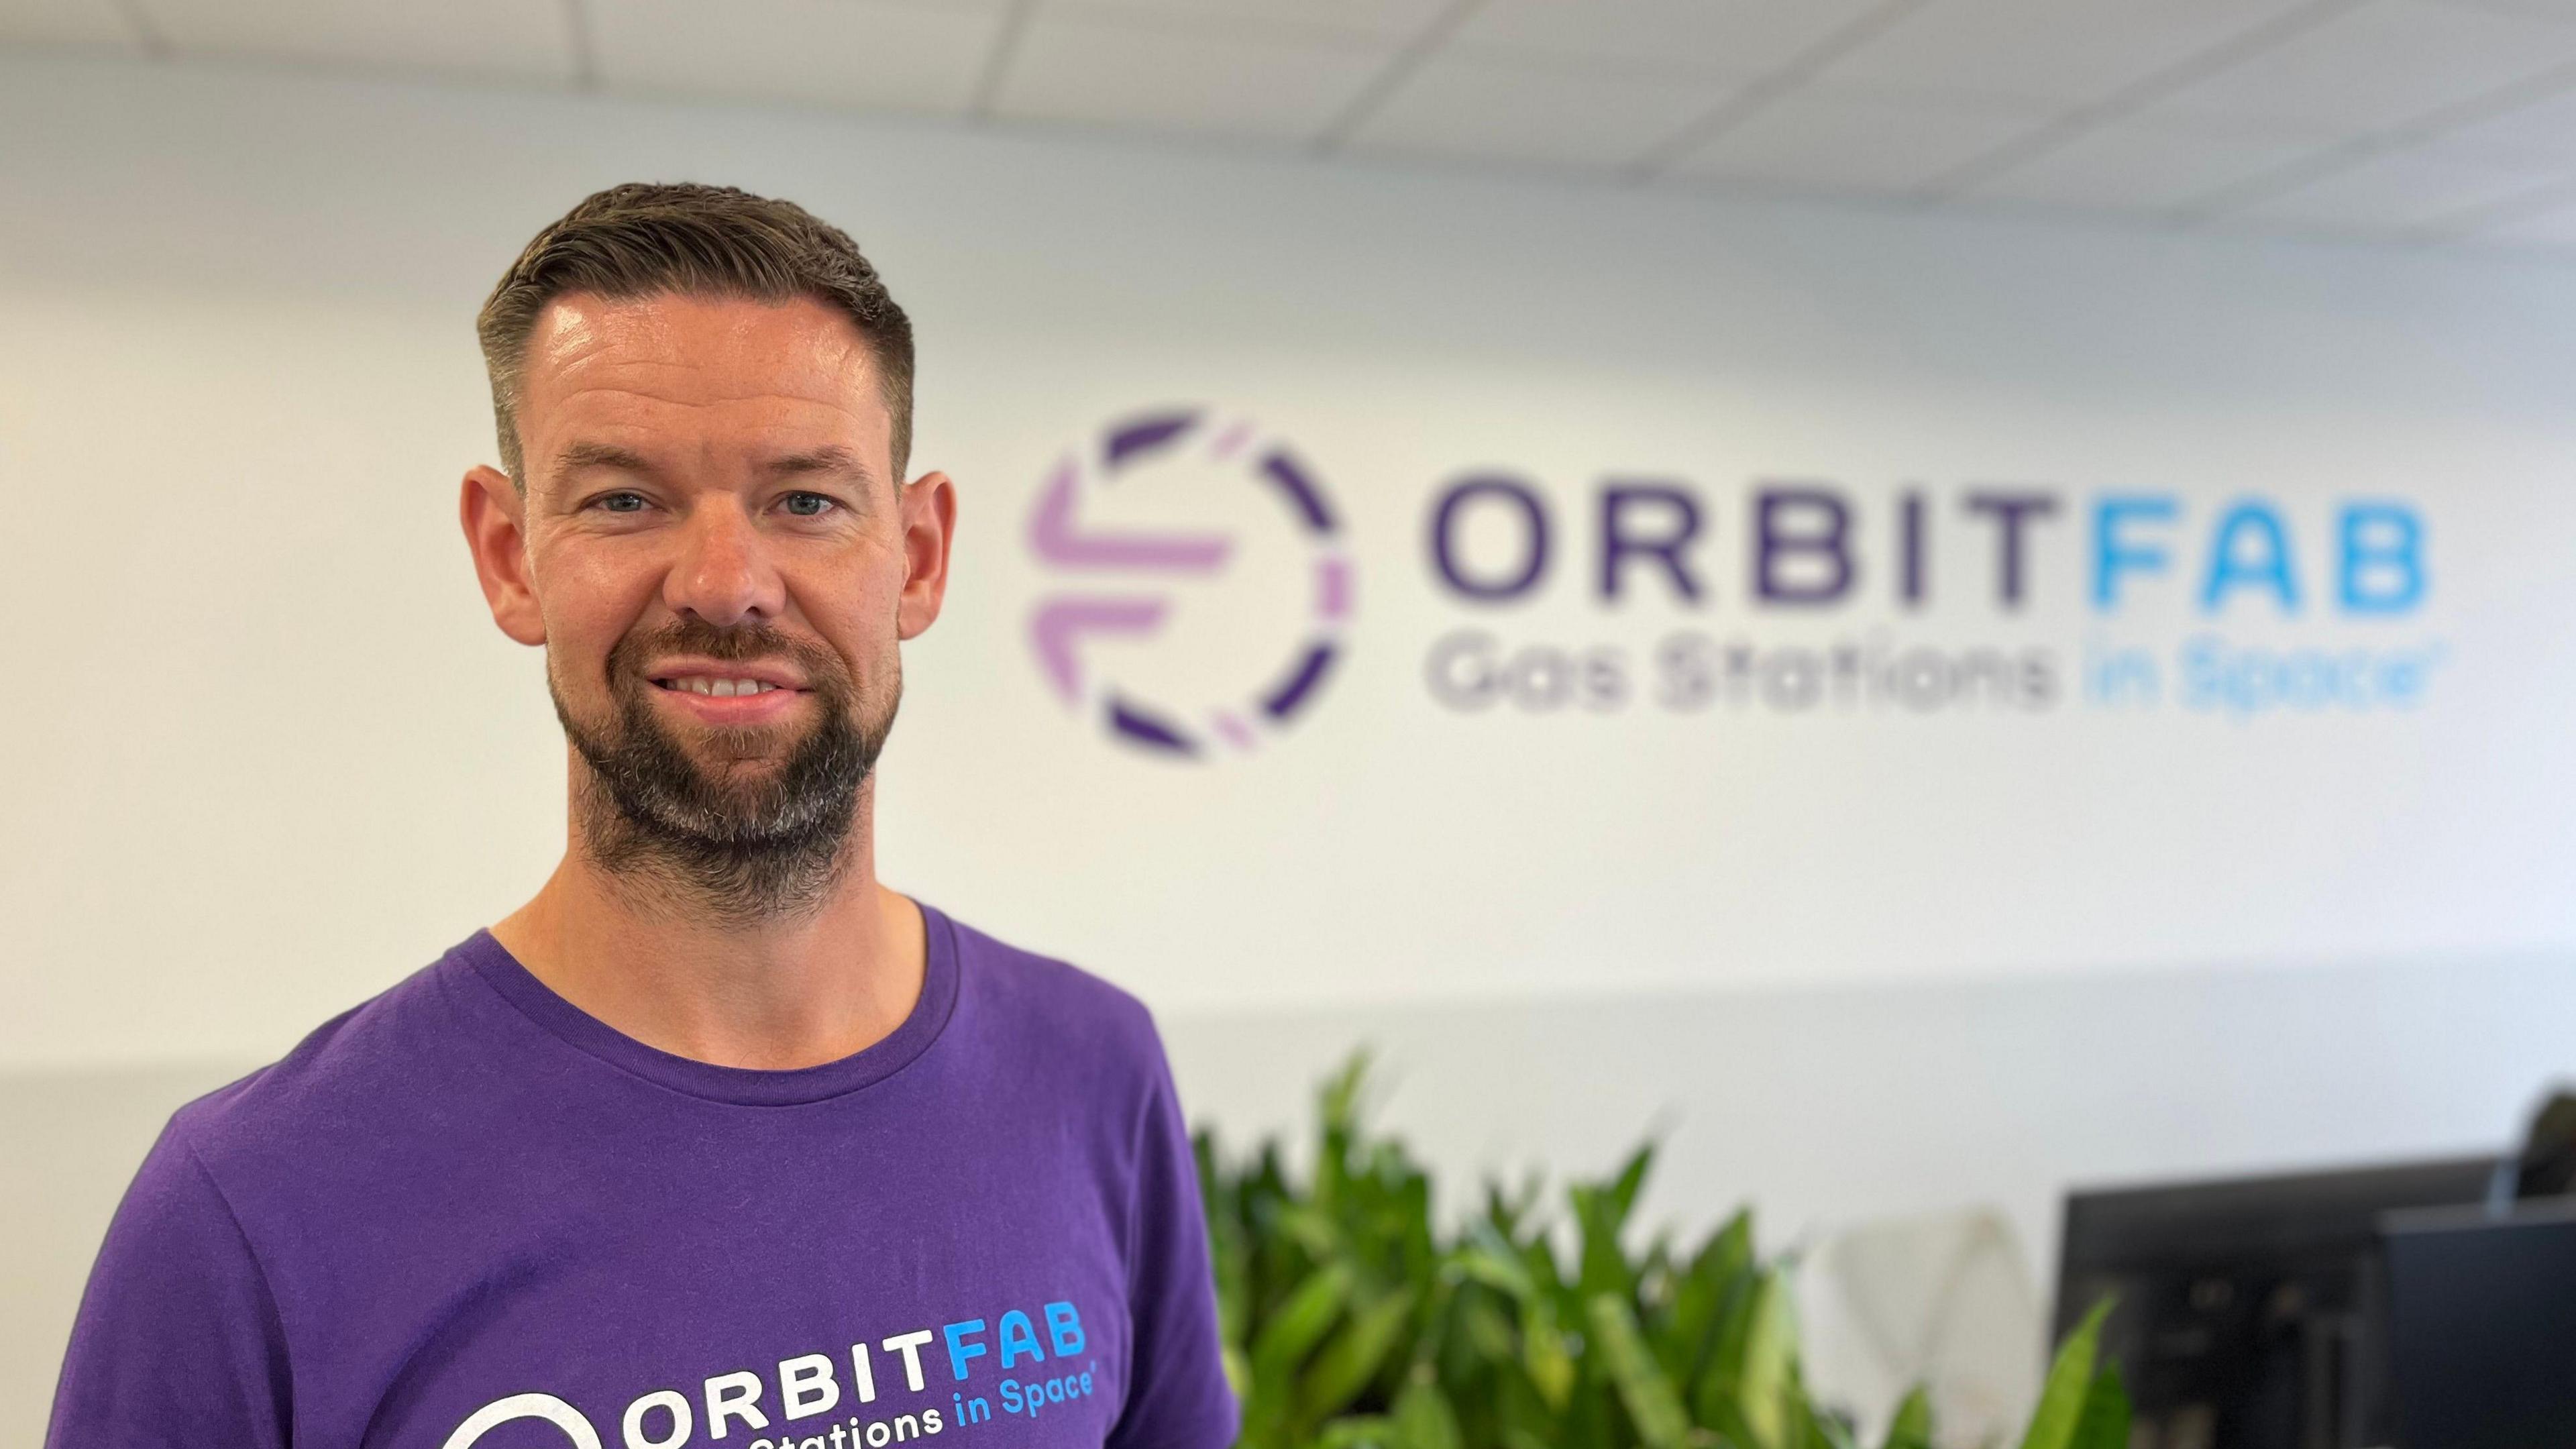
(1353, 1320)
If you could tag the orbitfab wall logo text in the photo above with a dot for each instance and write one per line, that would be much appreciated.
(1817, 597)
(1199, 583)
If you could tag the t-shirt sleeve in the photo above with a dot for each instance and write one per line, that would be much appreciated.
(1177, 1397)
(177, 1341)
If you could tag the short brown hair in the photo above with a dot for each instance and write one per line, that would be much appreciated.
(644, 239)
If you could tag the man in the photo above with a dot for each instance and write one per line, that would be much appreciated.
(716, 1141)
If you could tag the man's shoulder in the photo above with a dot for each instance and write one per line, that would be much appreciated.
(347, 1081)
(1030, 994)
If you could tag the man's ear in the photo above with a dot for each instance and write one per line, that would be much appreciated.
(928, 513)
(495, 515)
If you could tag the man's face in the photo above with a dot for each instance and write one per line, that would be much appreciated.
(716, 554)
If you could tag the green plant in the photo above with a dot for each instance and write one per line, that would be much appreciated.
(1352, 1321)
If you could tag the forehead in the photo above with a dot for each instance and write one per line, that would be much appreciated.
(709, 370)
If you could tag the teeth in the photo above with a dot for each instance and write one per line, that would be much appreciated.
(724, 688)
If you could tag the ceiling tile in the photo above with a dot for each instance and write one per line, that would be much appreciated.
(1192, 81)
(2384, 65)
(1724, 38)
(2406, 189)
(1836, 138)
(2558, 9)
(2554, 227)
(2544, 129)
(903, 57)
(1457, 105)
(520, 38)
(1387, 19)
(2148, 166)
(2069, 51)
(65, 22)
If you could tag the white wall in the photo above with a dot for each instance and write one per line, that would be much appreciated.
(269, 754)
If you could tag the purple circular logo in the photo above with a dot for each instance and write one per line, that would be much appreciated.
(1121, 580)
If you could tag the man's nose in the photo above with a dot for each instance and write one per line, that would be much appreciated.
(723, 574)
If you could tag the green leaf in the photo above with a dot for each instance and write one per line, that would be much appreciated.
(1302, 1322)
(1311, 1228)
(1591, 1419)
(1485, 1331)
(1354, 1356)
(1358, 1432)
(1727, 1419)
(1423, 1418)
(1716, 1278)
(1604, 1266)
(1238, 1372)
(1662, 1422)
(1770, 1356)
(1283, 1344)
(1544, 1357)
(1505, 1214)
(1505, 1274)
(1912, 1427)
(2105, 1424)
(1733, 1334)
(2070, 1382)
(1810, 1429)
(1623, 1191)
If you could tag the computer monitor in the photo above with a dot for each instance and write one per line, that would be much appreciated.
(2482, 1326)
(2249, 1309)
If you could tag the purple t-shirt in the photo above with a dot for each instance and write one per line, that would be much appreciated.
(467, 1214)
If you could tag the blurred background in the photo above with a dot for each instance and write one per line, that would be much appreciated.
(1939, 602)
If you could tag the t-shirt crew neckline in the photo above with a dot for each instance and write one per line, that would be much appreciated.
(742, 1086)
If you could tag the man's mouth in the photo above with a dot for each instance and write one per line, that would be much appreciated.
(719, 688)
(731, 691)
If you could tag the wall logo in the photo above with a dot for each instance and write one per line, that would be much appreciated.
(1117, 579)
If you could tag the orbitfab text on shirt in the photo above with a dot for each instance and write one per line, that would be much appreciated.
(809, 1387)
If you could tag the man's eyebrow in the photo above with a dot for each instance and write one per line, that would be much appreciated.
(830, 458)
(601, 455)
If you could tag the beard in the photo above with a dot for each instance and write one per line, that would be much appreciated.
(744, 836)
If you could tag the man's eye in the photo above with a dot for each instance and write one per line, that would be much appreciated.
(809, 505)
(619, 502)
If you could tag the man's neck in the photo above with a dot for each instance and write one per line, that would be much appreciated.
(776, 995)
